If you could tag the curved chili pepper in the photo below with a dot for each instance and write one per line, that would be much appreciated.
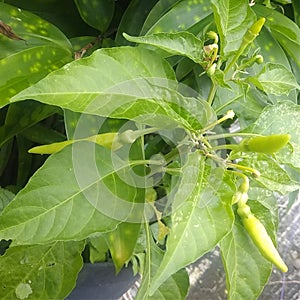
(260, 237)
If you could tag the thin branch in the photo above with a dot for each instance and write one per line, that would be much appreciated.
(79, 54)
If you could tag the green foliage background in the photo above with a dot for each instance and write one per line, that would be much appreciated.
(45, 95)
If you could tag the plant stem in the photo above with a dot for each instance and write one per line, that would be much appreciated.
(227, 103)
(174, 152)
(228, 115)
(244, 187)
(234, 134)
(248, 38)
(224, 146)
(254, 172)
(212, 92)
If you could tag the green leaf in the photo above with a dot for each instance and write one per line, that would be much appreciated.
(273, 176)
(16, 121)
(176, 16)
(41, 134)
(98, 249)
(158, 10)
(145, 264)
(281, 118)
(102, 74)
(5, 197)
(121, 243)
(272, 52)
(5, 153)
(97, 14)
(296, 8)
(126, 82)
(41, 272)
(92, 123)
(199, 221)
(243, 100)
(179, 43)
(283, 29)
(275, 79)
(91, 197)
(175, 287)
(219, 78)
(24, 63)
(270, 49)
(24, 161)
(233, 18)
(247, 271)
(133, 19)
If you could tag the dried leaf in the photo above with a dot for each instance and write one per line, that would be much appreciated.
(7, 31)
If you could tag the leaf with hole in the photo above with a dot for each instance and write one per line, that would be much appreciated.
(41, 272)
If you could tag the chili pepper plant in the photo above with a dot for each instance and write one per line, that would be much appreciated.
(146, 132)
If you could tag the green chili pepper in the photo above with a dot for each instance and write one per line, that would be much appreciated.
(248, 38)
(253, 31)
(260, 237)
(265, 144)
(103, 139)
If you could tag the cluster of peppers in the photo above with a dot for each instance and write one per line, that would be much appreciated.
(259, 144)
(256, 230)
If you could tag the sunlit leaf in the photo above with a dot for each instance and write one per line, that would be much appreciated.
(24, 63)
(241, 260)
(281, 118)
(52, 205)
(175, 287)
(159, 9)
(121, 243)
(176, 16)
(200, 219)
(273, 176)
(275, 79)
(233, 20)
(125, 82)
(180, 43)
(270, 49)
